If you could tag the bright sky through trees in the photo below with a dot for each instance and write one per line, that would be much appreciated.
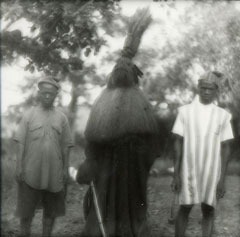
(13, 75)
(155, 37)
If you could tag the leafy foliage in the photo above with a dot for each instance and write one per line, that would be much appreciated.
(62, 33)
(208, 40)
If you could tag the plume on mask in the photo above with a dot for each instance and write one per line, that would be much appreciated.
(122, 109)
(125, 73)
(136, 26)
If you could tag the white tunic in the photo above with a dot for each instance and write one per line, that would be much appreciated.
(203, 127)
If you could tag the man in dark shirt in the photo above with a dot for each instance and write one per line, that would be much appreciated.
(43, 142)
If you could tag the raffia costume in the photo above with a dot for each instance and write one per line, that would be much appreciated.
(121, 143)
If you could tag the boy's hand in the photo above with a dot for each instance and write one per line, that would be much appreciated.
(176, 184)
(220, 190)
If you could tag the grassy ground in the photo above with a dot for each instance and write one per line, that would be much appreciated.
(227, 220)
(159, 199)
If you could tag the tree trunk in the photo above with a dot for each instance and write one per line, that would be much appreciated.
(72, 108)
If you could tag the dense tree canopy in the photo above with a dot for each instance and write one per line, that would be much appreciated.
(64, 33)
(61, 32)
(209, 40)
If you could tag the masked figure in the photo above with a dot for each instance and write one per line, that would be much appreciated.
(121, 136)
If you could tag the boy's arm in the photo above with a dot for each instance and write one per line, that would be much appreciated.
(225, 153)
(178, 147)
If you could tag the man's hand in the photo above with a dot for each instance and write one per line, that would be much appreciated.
(176, 184)
(220, 190)
(19, 165)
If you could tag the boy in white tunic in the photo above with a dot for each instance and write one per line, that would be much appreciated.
(202, 132)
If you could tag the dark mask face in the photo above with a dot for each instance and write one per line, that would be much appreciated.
(47, 96)
(124, 75)
(207, 92)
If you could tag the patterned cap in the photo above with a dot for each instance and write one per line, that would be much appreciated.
(49, 81)
(211, 77)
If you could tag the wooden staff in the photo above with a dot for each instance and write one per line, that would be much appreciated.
(73, 175)
(98, 210)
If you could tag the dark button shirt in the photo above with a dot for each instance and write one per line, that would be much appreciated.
(44, 134)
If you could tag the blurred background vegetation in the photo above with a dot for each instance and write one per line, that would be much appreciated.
(79, 41)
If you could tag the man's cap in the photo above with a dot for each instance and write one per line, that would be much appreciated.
(48, 82)
(211, 77)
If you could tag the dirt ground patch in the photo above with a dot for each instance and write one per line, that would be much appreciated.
(227, 222)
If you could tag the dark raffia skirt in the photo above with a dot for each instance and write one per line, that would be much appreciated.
(120, 170)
